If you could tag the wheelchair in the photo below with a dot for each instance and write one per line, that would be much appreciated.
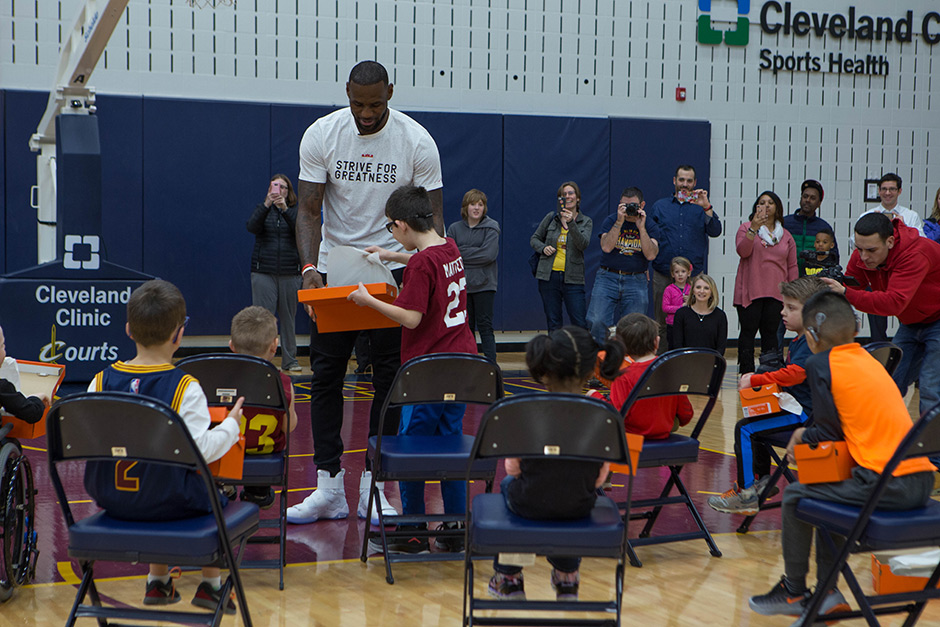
(18, 549)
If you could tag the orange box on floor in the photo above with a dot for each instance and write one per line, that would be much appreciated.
(635, 444)
(36, 378)
(231, 465)
(760, 401)
(824, 462)
(886, 582)
(335, 313)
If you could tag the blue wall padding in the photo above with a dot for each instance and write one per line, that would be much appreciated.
(540, 153)
(180, 177)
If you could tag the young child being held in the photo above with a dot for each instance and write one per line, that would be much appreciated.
(701, 324)
(753, 464)
(855, 400)
(432, 309)
(676, 294)
(653, 418)
(554, 489)
(254, 332)
(156, 318)
(826, 255)
(29, 409)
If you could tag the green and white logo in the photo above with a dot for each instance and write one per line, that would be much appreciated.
(708, 35)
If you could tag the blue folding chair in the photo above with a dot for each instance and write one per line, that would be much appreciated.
(552, 426)
(888, 355)
(684, 371)
(118, 426)
(436, 378)
(868, 528)
(224, 377)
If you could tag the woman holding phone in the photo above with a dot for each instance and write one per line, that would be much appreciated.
(560, 240)
(275, 264)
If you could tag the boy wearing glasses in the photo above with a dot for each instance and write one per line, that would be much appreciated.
(156, 318)
(432, 309)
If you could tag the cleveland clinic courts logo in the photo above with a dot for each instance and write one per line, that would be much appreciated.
(81, 252)
(708, 35)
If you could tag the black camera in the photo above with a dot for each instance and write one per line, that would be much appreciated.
(812, 255)
(632, 209)
(832, 272)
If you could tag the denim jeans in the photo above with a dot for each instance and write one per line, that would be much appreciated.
(554, 292)
(433, 419)
(921, 360)
(614, 296)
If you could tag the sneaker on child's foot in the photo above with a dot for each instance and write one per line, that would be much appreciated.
(779, 601)
(736, 501)
(262, 497)
(327, 502)
(413, 544)
(760, 483)
(565, 589)
(834, 602)
(208, 597)
(451, 544)
(507, 587)
(159, 593)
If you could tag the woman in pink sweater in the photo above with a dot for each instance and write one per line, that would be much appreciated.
(768, 258)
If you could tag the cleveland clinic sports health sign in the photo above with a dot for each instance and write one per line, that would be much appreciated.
(804, 20)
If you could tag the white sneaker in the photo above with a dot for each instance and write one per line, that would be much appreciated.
(327, 502)
(365, 484)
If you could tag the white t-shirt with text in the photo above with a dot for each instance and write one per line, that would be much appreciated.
(361, 172)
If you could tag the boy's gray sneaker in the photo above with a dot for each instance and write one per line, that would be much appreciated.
(834, 602)
(736, 501)
(779, 601)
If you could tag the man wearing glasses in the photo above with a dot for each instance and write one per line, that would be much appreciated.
(350, 162)
(889, 189)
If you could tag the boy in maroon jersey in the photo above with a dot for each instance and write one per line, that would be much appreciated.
(254, 332)
(432, 309)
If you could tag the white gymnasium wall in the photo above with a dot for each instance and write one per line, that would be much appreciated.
(559, 57)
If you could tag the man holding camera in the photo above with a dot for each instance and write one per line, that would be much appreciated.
(804, 224)
(896, 263)
(622, 284)
(684, 222)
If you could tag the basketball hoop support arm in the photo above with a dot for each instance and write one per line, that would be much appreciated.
(70, 95)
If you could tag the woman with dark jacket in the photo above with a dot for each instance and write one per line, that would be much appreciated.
(477, 237)
(560, 240)
(275, 264)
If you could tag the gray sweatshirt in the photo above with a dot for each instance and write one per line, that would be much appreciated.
(479, 247)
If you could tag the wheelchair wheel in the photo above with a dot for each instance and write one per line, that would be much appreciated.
(18, 510)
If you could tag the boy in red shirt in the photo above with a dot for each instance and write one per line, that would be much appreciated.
(432, 309)
(254, 332)
(653, 418)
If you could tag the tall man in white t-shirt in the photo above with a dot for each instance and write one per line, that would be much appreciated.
(350, 162)
(889, 190)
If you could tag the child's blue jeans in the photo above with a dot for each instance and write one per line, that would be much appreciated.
(433, 419)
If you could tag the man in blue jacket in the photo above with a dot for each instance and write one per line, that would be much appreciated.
(684, 222)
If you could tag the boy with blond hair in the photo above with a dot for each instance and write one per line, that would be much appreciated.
(254, 332)
(156, 318)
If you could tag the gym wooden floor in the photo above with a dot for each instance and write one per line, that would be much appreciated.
(325, 583)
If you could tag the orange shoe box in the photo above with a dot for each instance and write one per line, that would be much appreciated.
(825, 462)
(335, 313)
(760, 401)
(635, 444)
(35, 378)
(231, 465)
(886, 582)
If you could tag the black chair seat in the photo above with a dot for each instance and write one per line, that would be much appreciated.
(496, 529)
(886, 528)
(263, 469)
(191, 540)
(423, 456)
(674, 450)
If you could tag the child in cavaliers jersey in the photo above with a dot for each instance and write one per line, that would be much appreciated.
(432, 309)
(254, 332)
(156, 317)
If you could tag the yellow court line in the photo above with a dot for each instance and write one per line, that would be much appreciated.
(358, 450)
(33, 448)
(67, 573)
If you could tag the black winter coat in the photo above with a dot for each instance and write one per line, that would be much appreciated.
(275, 249)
